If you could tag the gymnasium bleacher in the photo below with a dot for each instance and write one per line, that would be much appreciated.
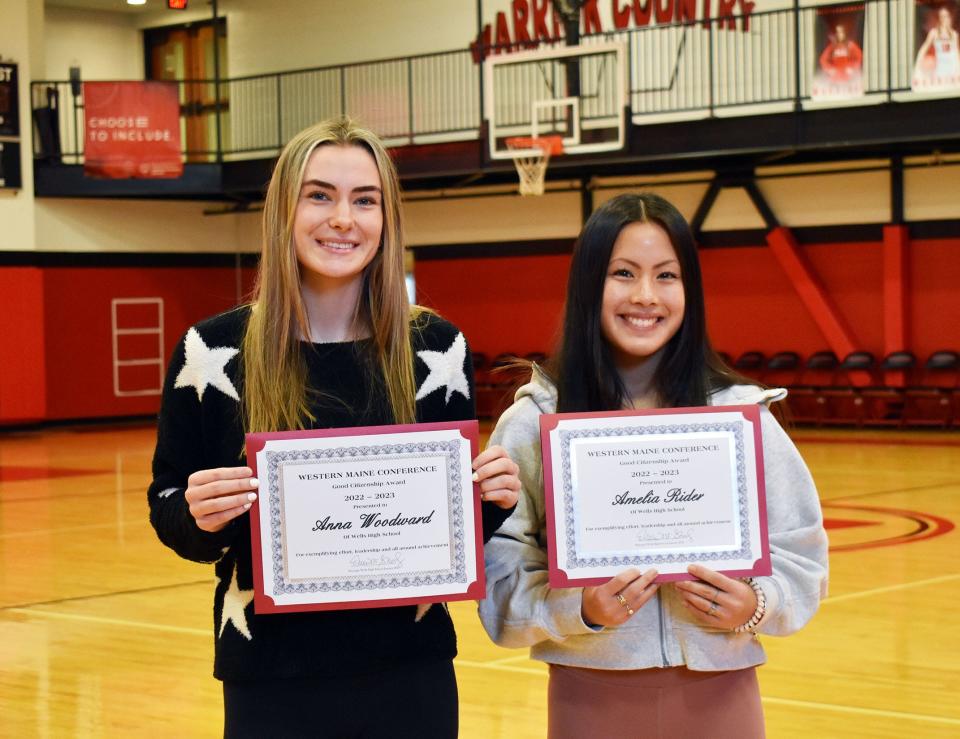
(862, 390)
(898, 391)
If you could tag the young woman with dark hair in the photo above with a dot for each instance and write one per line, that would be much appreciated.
(585, 364)
(329, 340)
(632, 658)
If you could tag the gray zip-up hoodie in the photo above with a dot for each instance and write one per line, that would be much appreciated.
(522, 610)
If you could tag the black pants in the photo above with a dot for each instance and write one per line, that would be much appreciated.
(414, 702)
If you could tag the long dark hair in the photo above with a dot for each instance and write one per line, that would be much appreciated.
(582, 366)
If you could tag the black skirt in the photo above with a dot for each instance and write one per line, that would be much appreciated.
(414, 701)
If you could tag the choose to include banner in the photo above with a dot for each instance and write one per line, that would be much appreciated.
(132, 130)
(937, 65)
(838, 36)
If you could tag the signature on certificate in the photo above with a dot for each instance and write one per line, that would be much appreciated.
(376, 562)
(673, 536)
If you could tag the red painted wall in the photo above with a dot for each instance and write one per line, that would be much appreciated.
(56, 350)
(751, 304)
(80, 373)
(56, 339)
(502, 304)
(934, 313)
(22, 382)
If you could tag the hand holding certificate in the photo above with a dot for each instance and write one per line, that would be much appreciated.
(658, 489)
(365, 517)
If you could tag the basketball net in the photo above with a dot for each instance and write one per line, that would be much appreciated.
(531, 156)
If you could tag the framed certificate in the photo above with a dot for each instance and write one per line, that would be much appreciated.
(659, 489)
(365, 517)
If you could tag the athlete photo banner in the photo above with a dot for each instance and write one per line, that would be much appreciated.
(838, 39)
(937, 60)
(132, 130)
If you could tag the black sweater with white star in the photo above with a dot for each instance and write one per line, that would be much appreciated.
(199, 428)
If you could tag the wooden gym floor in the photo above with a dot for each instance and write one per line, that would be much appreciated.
(105, 633)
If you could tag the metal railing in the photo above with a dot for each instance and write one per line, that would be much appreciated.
(679, 70)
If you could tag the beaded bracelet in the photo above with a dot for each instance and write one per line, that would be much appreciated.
(761, 608)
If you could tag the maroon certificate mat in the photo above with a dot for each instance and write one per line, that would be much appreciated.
(661, 489)
(366, 517)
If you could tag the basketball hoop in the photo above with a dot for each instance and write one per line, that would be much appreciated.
(531, 157)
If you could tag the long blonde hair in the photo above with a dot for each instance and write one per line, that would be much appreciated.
(275, 393)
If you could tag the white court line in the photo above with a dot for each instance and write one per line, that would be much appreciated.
(500, 668)
(773, 701)
(864, 711)
(890, 588)
(502, 663)
(84, 527)
(903, 715)
(205, 632)
(508, 660)
(495, 665)
(108, 621)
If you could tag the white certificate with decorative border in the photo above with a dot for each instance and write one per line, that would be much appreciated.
(365, 517)
(658, 489)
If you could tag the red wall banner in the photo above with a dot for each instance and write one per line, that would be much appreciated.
(132, 130)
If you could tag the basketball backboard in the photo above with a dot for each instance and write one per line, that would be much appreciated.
(576, 92)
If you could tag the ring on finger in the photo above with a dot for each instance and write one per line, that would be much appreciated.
(712, 611)
(622, 601)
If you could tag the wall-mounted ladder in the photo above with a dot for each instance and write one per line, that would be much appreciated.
(137, 332)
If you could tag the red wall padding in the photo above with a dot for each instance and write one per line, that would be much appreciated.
(57, 341)
(56, 350)
(934, 314)
(752, 306)
(513, 304)
(502, 304)
(22, 381)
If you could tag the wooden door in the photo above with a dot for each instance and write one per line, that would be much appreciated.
(186, 54)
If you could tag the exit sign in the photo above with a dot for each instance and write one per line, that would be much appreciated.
(177, 4)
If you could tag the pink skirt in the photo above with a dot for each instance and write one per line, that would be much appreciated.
(670, 703)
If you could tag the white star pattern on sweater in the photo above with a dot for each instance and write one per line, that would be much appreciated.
(204, 366)
(446, 370)
(235, 602)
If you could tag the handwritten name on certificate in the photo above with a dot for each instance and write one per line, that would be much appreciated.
(365, 517)
(656, 489)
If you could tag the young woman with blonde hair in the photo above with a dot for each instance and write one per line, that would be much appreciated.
(329, 340)
(937, 65)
